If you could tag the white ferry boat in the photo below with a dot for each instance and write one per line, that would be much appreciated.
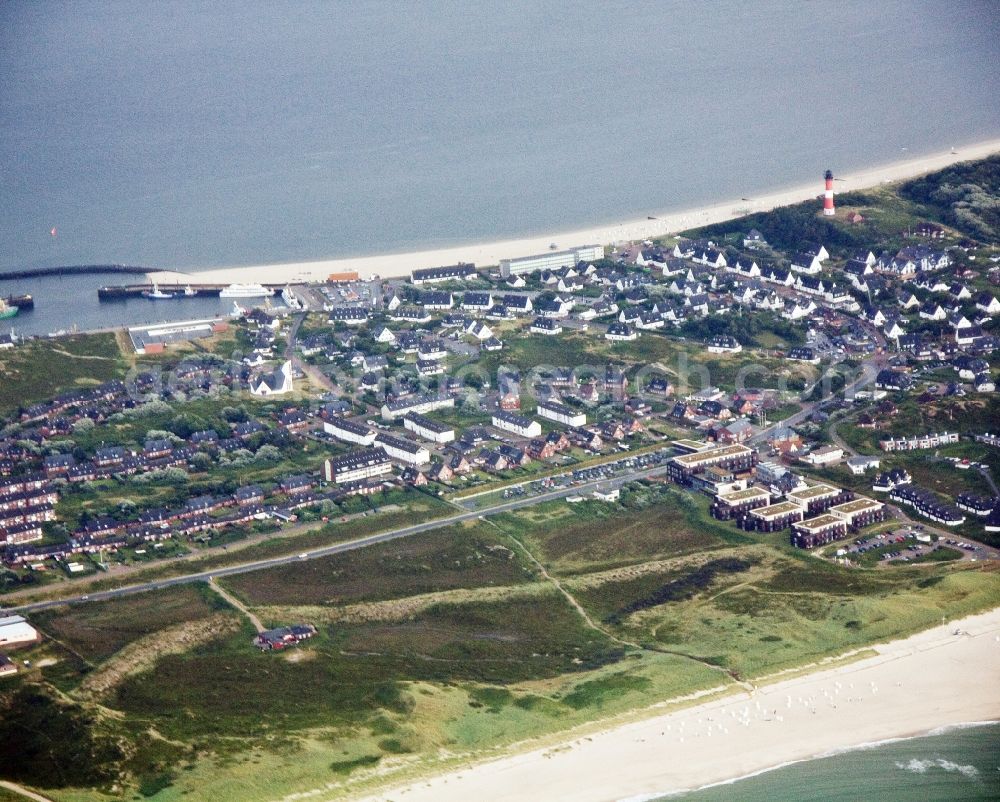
(245, 291)
(291, 301)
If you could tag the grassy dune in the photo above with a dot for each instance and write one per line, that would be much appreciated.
(453, 557)
(455, 643)
(98, 630)
(42, 368)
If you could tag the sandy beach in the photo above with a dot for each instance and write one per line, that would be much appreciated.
(944, 676)
(490, 253)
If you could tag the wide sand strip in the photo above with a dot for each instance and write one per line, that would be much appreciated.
(490, 253)
(944, 676)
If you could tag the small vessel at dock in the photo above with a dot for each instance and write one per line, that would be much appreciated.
(124, 292)
(21, 301)
(156, 294)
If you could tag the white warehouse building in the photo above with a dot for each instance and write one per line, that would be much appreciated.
(14, 631)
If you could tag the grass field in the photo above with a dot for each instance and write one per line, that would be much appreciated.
(784, 612)
(592, 536)
(42, 368)
(96, 631)
(453, 557)
(454, 642)
(353, 671)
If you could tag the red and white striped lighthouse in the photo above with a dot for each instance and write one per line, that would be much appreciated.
(828, 195)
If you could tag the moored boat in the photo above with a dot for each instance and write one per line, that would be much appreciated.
(156, 294)
(21, 301)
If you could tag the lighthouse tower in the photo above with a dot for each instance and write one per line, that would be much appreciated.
(828, 195)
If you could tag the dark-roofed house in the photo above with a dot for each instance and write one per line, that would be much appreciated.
(283, 637)
(157, 449)
(477, 301)
(296, 485)
(109, 457)
(358, 465)
(248, 428)
(249, 495)
(349, 315)
(403, 450)
(431, 275)
(58, 464)
(517, 424)
(204, 437)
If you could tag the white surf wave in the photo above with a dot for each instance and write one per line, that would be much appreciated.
(923, 766)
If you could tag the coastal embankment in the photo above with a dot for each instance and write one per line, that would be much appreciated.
(657, 224)
(945, 676)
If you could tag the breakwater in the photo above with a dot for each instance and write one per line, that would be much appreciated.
(73, 270)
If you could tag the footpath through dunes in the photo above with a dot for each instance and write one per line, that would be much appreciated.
(142, 655)
(402, 609)
(656, 225)
(237, 604)
(20, 792)
(944, 676)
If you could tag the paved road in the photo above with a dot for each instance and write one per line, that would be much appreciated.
(309, 370)
(869, 370)
(338, 548)
(988, 476)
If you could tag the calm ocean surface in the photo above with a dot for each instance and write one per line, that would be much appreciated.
(204, 134)
(957, 765)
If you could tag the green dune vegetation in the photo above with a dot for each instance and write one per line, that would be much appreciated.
(447, 646)
(39, 369)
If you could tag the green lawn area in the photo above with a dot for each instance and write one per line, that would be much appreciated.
(40, 369)
(652, 347)
(570, 349)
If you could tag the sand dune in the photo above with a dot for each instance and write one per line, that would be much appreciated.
(944, 676)
(490, 253)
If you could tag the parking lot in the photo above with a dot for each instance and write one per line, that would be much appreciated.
(608, 471)
(909, 544)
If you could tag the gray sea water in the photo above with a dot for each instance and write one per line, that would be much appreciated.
(957, 765)
(195, 135)
(191, 134)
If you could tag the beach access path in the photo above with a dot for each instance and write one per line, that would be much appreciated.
(944, 676)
